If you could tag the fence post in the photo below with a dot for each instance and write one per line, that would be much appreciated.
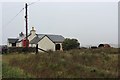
(36, 48)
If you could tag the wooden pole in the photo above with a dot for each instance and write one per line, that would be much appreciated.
(26, 16)
(36, 48)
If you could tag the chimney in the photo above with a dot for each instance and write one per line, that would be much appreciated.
(33, 31)
(21, 34)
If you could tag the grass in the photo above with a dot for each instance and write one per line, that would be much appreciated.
(13, 72)
(82, 63)
(0, 69)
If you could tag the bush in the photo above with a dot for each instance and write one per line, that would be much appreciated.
(70, 44)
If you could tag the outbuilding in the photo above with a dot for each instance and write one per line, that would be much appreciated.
(104, 45)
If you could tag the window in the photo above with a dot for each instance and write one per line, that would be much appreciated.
(13, 44)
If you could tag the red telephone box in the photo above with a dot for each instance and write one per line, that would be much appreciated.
(25, 42)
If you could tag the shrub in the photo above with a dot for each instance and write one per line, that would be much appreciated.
(70, 44)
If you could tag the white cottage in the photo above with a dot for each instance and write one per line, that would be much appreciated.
(48, 42)
(44, 41)
(12, 42)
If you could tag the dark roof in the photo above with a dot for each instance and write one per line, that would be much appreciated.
(53, 38)
(41, 35)
(56, 38)
(12, 40)
(35, 40)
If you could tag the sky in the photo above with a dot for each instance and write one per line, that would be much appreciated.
(60, 0)
(91, 22)
(0, 23)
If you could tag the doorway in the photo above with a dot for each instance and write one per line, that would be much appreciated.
(13, 44)
(57, 47)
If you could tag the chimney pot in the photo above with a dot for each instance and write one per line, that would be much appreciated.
(32, 28)
(33, 31)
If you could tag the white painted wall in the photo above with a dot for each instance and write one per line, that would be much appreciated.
(46, 44)
(33, 34)
(32, 45)
(31, 37)
(9, 44)
(61, 47)
(19, 44)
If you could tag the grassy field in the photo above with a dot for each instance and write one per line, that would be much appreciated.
(82, 63)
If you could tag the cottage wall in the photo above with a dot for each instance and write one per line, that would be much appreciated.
(19, 44)
(32, 36)
(9, 44)
(32, 45)
(46, 44)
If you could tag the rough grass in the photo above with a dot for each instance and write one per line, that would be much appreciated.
(0, 69)
(83, 63)
(13, 72)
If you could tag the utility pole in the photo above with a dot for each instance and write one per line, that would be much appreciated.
(26, 20)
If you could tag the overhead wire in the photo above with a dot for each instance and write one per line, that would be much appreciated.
(14, 17)
(19, 13)
(33, 2)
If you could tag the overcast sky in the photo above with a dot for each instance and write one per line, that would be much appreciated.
(91, 23)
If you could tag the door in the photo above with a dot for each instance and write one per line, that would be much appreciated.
(57, 47)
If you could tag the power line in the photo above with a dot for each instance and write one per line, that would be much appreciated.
(33, 3)
(14, 17)
(20, 12)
